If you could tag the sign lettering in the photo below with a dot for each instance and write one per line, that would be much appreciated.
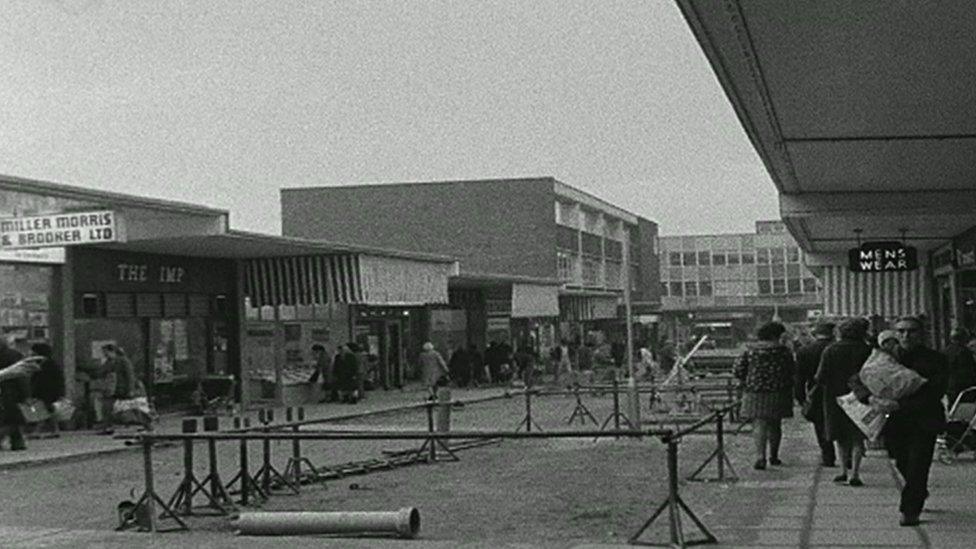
(66, 229)
(879, 257)
(129, 272)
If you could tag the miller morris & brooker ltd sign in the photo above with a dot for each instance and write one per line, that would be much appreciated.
(64, 229)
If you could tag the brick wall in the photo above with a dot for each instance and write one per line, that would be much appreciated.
(498, 226)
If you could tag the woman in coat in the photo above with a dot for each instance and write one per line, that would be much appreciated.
(765, 371)
(841, 360)
(433, 367)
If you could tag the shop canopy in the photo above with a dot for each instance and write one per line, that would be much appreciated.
(294, 271)
(862, 113)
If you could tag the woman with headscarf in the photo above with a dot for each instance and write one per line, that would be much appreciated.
(433, 367)
(840, 361)
(765, 371)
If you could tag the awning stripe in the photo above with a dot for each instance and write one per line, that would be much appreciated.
(303, 280)
(863, 294)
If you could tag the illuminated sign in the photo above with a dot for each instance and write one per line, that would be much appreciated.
(56, 230)
(881, 257)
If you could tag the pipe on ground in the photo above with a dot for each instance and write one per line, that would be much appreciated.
(405, 523)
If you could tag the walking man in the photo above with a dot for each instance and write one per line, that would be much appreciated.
(911, 430)
(808, 393)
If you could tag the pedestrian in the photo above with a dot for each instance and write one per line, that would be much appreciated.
(493, 362)
(477, 365)
(47, 384)
(433, 367)
(766, 371)
(13, 391)
(460, 366)
(562, 363)
(809, 394)
(962, 365)
(346, 372)
(525, 362)
(840, 362)
(911, 430)
(324, 371)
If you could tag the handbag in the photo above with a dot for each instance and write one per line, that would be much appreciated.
(64, 409)
(33, 410)
(812, 407)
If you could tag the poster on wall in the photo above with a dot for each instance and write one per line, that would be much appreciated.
(162, 368)
(10, 300)
(35, 301)
(35, 318)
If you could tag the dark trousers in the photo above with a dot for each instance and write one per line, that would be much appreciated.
(912, 451)
(827, 455)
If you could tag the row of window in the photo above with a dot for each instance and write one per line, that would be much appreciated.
(151, 305)
(738, 273)
(762, 256)
(764, 287)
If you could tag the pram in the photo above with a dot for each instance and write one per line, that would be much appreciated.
(960, 435)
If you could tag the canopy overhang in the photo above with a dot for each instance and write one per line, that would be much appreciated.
(861, 112)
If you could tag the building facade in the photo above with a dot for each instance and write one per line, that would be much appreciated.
(725, 285)
(198, 307)
(539, 260)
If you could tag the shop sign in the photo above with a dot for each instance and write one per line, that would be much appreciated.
(53, 256)
(880, 257)
(56, 230)
(140, 272)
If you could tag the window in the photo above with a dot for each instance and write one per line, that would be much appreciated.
(793, 271)
(762, 256)
(691, 289)
(718, 259)
(748, 258)
(704, 258)
(764, 287)
(664, 289)
(677, 290)
(733, 258)
(674, 258)
(564, 266)
(90, 305)
(690, 258)
(793, 285)
(793, 254)
(810, 285)
(705, 288)
(762, 272)
(779, 286)
(776, 256)
(779, 271)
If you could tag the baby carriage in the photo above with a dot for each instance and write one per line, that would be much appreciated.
(960, 435)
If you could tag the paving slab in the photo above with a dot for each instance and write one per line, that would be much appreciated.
(865, 537)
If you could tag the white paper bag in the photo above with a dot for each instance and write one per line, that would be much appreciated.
(868, 419)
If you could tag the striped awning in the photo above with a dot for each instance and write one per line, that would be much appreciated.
(574, 307)
(303, 280)
(889, 295)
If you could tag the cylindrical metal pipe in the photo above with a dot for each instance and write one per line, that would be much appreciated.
(404, 523)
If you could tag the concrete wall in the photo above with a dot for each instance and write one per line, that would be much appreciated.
(496, 226)
(649, 262)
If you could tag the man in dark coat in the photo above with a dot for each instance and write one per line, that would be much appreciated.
(460, 366)
(346, 368)
(962, 365)
(911, 430)
(807, 361)
(12, 393)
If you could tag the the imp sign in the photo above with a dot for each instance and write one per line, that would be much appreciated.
(881, 257)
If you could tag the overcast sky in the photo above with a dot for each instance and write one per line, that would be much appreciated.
(222, 103)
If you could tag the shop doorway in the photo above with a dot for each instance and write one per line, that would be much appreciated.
(381, 339)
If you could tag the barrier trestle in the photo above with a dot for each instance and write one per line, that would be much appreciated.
(435, 447)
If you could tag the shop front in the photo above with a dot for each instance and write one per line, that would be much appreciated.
(174, 316)
(30, 296)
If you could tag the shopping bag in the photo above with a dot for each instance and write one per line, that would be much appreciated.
(132, 410)
(868, 419)
(33, 410)
(64, 409)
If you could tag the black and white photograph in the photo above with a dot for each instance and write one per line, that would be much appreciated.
(565, 274)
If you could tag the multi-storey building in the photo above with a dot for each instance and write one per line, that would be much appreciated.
(538, 259)
(726, 284)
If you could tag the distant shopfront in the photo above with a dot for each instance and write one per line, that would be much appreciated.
(174, 316)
